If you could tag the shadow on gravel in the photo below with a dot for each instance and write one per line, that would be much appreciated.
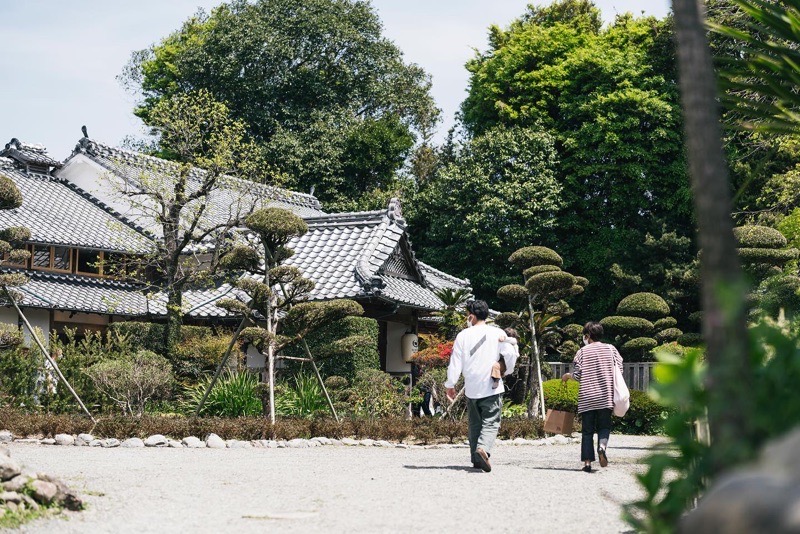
(450, 467)
(557, 469)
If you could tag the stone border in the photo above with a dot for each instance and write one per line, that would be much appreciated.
(213, 441)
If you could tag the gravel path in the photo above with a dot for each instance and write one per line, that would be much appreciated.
(339, 489)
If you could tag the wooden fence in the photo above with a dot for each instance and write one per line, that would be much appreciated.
(638, 375)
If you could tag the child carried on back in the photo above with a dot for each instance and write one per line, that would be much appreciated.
(499, 368)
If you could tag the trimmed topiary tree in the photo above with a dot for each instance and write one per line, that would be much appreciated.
(641, 324)
(277, 314)
(540, 303)
(764, 255)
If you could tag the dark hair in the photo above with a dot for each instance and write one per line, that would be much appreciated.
(594, 330)
(511, 332)
(479, 309)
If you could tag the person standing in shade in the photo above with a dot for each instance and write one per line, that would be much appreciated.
(475, 350)
(594, 369)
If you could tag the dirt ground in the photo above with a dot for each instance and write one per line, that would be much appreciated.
(340, 489)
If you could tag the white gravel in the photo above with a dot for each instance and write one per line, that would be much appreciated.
(339, 489)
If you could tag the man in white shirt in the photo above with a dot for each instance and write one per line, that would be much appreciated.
(475, 350)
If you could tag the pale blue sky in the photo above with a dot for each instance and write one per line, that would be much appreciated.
(60, 58)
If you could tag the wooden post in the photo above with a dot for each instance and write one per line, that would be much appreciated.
(46, 353)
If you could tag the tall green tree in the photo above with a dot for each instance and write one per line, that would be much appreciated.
(174, 201)
(329, 98)
(499, 191)
(608, 96)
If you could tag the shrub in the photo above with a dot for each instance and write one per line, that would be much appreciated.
(567, 350)
(781, 292)
(770, 256)
(336, 382)
(691, 339)
(629, 326)
(200, 354)
(531, 256)
(19, 369)
(545, 283)
(234, 395)
(507, 319)
(512, 293)
(753, 236)
(639, 349)
(536, 269)
(559, 396)
(131, 381)
(664, 323)
(582, 281)
(647, 305)
(668, 334)
(645, 416)
(573, 331)
(376, 394)
(10, 335)
(348, 359)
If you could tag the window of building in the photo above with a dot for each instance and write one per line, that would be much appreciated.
(41, 257)
(89, 262)
(62, 259)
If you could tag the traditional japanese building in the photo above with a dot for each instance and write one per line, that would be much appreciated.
(79, 221)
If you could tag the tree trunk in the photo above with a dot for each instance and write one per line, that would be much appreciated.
(172, 328)
(535, 386)
(723, 286)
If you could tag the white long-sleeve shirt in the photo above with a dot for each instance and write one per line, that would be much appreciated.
(477, 368)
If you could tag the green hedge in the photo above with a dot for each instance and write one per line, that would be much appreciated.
(647, 305)
(544, 283)
(668, 334)
(753, 236)
(666, 322)
(690, 339)
(536, 269)
(512, 293)
(645, 415)
(531, 256)
(337, 359)
(615, 325)
(770, 256)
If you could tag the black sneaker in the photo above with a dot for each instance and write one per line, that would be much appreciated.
(587, 469)
(483, 460)
(601, 453)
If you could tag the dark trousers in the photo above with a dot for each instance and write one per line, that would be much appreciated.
(594, 421)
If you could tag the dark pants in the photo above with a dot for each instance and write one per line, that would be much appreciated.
(484, 421)
(594, 421)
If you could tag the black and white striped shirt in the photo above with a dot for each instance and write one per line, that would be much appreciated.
(594, 369)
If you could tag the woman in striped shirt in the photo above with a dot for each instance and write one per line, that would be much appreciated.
(594, 369)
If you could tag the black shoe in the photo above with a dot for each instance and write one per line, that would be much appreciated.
(483, 460)
(601, 453)
(587, 469)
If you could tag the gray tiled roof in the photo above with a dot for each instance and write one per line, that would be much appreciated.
(131, 166)
(28, 153)
(346, 255)
(101, 295)
(59, 214)
(82, 294)
(440, 279)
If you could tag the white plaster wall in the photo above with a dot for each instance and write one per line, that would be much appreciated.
(95, 180)
(255, 360)
(394, 349)
(38, 319)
